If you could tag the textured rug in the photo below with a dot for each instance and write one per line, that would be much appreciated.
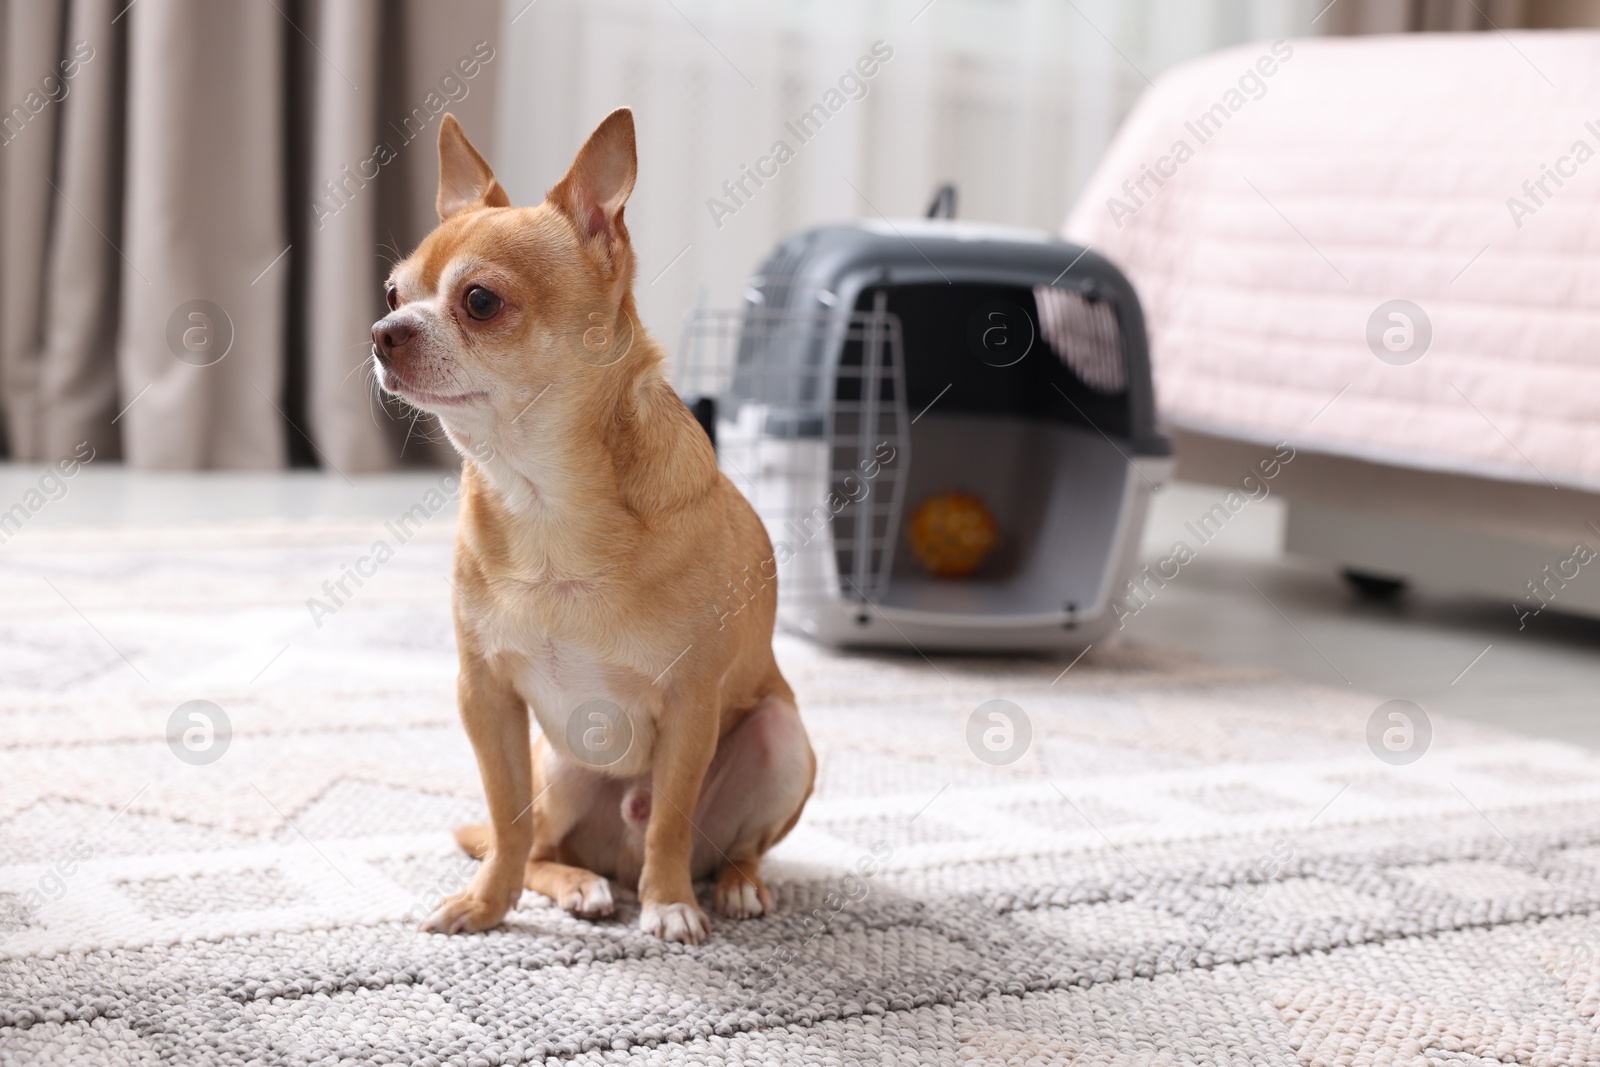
(1143, 860)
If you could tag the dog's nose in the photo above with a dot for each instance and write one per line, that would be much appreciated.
(387, 335)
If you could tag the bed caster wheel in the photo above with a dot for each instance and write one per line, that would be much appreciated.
(1376, 588)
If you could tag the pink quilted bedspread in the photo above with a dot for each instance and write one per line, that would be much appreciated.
(1383, 247)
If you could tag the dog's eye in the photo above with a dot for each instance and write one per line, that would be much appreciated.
(391, 295)
(481, 303)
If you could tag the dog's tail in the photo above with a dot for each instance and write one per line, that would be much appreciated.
(476, 840)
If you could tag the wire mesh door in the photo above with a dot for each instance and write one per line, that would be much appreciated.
(810, 422)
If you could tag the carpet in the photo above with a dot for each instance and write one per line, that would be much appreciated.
(1144, 859)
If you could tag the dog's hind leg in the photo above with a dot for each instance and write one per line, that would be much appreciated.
(475, 840)
(577, 889)
(563, 796)
(571, 801)
(755, 789)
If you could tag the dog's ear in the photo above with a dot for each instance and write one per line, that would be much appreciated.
(465, 180)
(597, 185)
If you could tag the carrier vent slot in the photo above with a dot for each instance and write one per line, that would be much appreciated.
(1084, 335)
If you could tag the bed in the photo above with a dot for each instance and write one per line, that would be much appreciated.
(1384, 251)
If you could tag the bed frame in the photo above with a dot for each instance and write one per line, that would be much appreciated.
(1508, 540)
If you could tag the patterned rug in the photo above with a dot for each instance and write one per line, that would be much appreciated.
(1143, 860)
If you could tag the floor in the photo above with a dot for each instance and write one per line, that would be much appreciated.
(1241, 602)
(1462, 656)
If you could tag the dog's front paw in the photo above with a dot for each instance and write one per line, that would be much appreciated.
(464, 913)
(684, 923)
(740, 895)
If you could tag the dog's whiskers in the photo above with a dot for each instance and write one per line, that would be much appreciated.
(374, 392)
(415, 415)
(367, 363)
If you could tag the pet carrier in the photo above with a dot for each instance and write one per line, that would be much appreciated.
(947, 428)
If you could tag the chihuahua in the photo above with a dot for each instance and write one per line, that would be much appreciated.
(596, 535)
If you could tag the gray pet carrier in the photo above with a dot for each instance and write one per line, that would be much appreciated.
(947, 428)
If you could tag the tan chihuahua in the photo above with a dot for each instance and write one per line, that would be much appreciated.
(596, 536)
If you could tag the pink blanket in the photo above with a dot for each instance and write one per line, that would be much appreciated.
(1383, 247)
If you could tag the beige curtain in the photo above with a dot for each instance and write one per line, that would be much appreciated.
(1401, 16)
(198, 201)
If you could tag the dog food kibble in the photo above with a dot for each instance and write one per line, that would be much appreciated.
(952, 534)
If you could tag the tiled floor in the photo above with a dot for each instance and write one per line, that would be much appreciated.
(1298, 618)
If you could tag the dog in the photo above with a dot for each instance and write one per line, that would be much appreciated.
(597, 536)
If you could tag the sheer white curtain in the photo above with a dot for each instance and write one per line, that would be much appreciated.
(1012, 100)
